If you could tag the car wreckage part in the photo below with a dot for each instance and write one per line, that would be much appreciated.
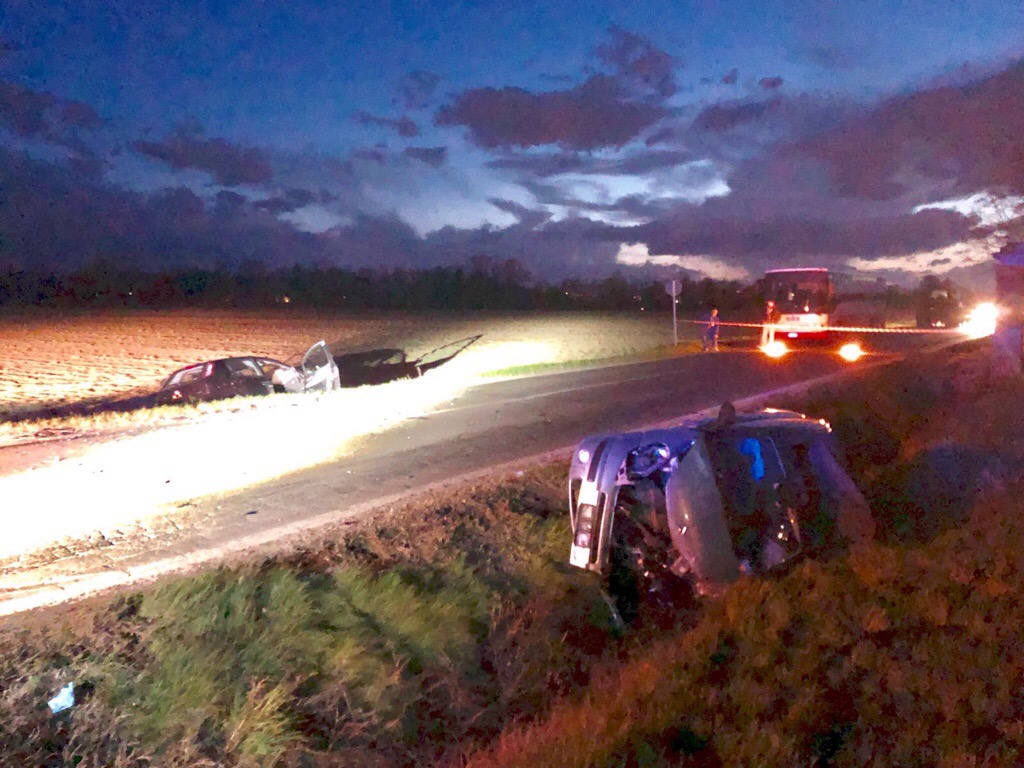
(619, 533)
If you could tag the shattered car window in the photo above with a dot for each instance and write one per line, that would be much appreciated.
(246, 368)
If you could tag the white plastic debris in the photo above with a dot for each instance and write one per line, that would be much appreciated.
(65, 699)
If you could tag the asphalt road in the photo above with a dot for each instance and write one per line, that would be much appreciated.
(489, 425)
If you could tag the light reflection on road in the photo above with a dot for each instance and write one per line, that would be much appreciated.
(136, 478)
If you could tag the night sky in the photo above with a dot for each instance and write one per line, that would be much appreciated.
(577, 137)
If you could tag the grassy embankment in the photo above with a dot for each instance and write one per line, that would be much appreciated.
(686, 347)
(906, 652)
(423, 636)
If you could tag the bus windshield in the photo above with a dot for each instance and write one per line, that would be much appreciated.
(799, 290)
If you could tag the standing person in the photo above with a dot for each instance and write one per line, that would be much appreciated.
(768, 329)
(710, 340)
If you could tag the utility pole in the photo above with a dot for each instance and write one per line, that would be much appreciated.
(673, 288)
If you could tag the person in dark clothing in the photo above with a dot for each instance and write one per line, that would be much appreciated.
(710, 339)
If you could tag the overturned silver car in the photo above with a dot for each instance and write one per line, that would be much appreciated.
(697, 505)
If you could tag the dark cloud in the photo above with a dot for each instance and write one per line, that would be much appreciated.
(228, 204)
(403, 126)
(957, 138)
(722, 228)
(229, 164)
(42, 117)
(53, 218)
(810, 179)
(25, 112)
(76, 114)
(828, 57)
(734, 130)
(528, 217)
(725, 116)
(417, 88)
(597, 113)
(770, 83)
(637, 60)
(730, 77)
(289, 200)
(548, 164)
(432, 156)
(371, 155)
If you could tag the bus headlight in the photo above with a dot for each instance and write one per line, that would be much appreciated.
(775, 349)
(851, 352)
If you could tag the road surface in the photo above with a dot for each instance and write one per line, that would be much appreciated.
(487, 426)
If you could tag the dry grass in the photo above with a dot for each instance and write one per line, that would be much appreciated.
(904, 653)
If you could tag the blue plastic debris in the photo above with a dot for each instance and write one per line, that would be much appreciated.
(65, 699)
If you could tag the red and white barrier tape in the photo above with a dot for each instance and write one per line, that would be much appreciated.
(784, 328)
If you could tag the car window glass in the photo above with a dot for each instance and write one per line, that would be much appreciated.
(747, 472)
(250, 369)
(317, 357)
(187, 376)
(270, 367)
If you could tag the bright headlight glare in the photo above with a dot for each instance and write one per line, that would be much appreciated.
(981, 321)
(851, 352)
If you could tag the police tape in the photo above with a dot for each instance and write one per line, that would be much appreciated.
(790, 328)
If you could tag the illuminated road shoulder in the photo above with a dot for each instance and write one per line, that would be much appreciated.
(36, 588)
(153, 474)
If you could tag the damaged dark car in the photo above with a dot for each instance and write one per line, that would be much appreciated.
(250, 375)
(665, 514)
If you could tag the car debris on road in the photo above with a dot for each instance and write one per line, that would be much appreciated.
(669, 512)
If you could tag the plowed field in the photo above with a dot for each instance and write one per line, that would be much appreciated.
(49, 360)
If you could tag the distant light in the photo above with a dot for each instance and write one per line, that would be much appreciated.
(981, 321)
(775, 349)
(851, 352)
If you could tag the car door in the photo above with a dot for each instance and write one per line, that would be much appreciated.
(282, 376)
(247, 378)
(696, 520)
(319, 371)
(749, 474)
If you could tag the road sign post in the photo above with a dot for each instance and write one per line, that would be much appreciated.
(673, 288)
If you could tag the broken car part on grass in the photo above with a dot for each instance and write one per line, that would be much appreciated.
(663, 512)
(379, 366)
